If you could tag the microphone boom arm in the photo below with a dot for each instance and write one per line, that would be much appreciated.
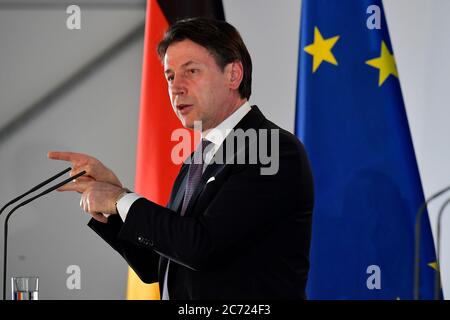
(418, 229)
(40, 185)
(5, 243)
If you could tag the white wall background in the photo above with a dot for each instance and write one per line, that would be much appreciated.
(100, 115)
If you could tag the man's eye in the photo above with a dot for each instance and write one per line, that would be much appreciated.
(170, 78)
(193, 71)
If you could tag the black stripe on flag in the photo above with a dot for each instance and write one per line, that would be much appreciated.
(174, 10)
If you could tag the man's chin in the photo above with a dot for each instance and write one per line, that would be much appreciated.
(188, 126)
(195, 125)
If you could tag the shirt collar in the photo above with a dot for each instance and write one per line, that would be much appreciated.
(218, 134)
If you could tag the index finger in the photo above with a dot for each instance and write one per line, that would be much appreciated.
(67, 156)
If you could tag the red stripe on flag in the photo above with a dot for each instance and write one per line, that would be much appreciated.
(155, 171)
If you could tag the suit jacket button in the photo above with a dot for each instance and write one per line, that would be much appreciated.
(140, 239)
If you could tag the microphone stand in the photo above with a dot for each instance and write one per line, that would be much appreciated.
(40, 185)
(437, 277)
(417, 236)
(5, 244)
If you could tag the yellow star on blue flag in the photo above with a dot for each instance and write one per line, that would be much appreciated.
(385, 63)
(320, 49)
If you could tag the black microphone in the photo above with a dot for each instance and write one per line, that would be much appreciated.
(437, 277)
(40, 185)
(418, 236)
(5, 244)
(37, 187)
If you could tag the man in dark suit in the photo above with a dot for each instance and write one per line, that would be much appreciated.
(235, 227)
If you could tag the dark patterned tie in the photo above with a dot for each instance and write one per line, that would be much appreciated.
(194, 173)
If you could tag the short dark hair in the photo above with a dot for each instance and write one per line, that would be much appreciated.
(220, 38)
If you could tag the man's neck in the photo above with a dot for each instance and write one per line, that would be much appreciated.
(239, 103)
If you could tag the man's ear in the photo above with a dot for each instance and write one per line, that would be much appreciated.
(236, 73)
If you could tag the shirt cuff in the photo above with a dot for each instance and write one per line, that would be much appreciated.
(124, 204)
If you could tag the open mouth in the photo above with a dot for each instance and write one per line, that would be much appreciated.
(184, 108)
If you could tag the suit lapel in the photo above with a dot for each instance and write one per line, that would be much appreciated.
(178, 189)
(252, 119)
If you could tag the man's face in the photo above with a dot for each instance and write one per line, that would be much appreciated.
(198, 89)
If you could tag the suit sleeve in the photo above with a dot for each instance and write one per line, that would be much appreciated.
(141, 259)
(247, 206)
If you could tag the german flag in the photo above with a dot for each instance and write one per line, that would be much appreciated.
(155, 172)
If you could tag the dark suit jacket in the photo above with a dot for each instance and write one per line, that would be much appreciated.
(244, 235)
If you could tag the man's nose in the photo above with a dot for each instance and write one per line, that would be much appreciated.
(178, 86)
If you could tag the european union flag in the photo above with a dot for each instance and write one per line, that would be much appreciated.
(352, 120)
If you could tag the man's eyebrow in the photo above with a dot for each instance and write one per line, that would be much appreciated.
(184, 65)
